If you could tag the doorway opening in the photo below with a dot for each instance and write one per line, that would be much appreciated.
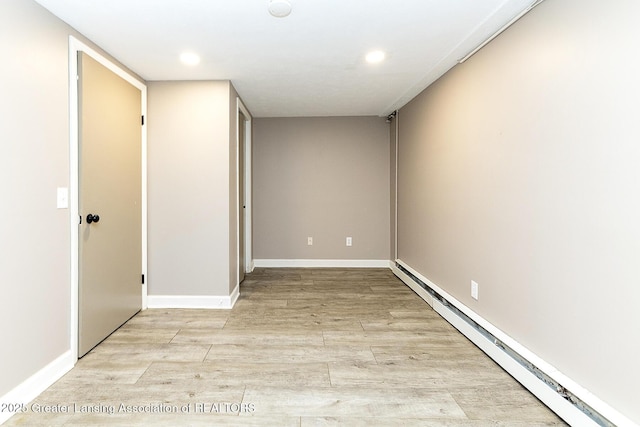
(244, 187)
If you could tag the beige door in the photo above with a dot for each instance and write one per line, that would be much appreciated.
(110, 242)
(241, 199)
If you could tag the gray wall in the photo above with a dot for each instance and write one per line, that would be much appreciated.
(189, 189)
(520, 170)
(327, 178)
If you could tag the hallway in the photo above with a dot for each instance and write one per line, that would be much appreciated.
(302, 347)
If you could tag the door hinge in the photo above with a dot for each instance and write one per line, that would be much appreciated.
(80, 216)
(142, 120)
(143, 279)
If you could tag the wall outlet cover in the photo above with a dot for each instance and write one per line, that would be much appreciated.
(474, 290)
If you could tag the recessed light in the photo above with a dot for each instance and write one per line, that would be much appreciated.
(189, 58)
(375, 57)
(279, 8)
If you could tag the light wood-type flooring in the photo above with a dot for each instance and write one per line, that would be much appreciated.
(301, 347)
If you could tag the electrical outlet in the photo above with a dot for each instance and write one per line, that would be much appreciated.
(474, 290)
(310, 241)
(349, 241)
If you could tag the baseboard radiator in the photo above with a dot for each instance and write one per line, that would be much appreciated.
(433, 297)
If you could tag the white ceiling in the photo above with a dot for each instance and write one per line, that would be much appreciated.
(310, 63)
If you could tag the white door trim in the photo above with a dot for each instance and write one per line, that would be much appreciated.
(76, 46)
(248, 258)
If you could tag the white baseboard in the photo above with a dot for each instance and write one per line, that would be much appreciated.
(38, 382)
(194, 301)
(235, 294)
(567, 411)
(323, 263)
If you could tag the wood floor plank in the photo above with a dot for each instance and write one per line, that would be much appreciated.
(149, 352)
(352, 402)
(271, 323)
(268, 301)
(150, 335)
(181, 321)
(385, 337)
(173, 393)
(278, 337)
(298, 314)
(473, 401)
(290, 354)
(98, 372)
(362, 304)
(404, 325)
(428, 376)
(441, 352)
(192, 420)
(240, 373)
(423, 313)
(30, 419)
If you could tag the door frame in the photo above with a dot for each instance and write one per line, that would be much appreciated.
(248, 211)
(76, 46)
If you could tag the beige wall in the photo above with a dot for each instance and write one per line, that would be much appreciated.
(189, 188)
(519, 170)
(34, 142)
(34, 135)
(327, 178)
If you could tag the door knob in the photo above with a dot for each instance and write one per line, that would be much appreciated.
(92, 218)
